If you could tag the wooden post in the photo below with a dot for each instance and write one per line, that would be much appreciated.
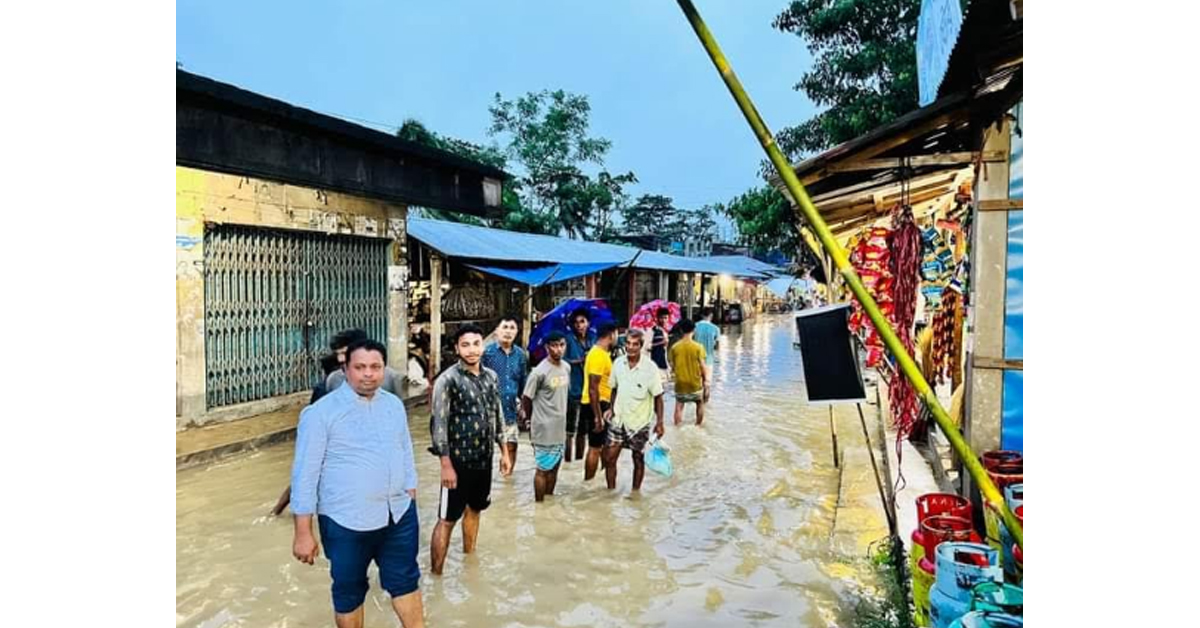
(592, 286)
(435, 314)
(720, 309)
(984, 334)
(833, 434)
(527, 327)
(633, 307)
(691, 295)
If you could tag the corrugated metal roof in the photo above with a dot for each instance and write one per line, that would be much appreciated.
(735, 265)
(990, 39)
(458, 240)
(481, 243)
(544, 275)
(654, 260)
(748, 264)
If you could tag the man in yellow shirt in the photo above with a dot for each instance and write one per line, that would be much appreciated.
(692, 378)
(596, 395)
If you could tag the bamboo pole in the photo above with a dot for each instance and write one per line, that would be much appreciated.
(809, 213)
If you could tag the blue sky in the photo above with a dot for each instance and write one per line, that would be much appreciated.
(653, 91)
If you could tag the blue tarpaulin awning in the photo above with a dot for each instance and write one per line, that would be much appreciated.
(525, 257)
(551, 273)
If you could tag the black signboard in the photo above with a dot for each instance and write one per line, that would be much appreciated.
(831, 369)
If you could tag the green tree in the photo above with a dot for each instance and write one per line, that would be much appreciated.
(865, 69)
(864, 73)
(656, 215)
(650, 214)
(547, 134)
(516, 217)
(764, 219)
(414, 131)
(701, 224)
(765, 222)
(610, 200)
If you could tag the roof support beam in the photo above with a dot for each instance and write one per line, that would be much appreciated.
(889, 143)
(914, 186)
(943, 159)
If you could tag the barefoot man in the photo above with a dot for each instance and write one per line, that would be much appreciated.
(466, 422)
(545, 400)
(637, 397)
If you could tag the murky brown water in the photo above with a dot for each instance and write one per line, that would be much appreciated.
(739, 536)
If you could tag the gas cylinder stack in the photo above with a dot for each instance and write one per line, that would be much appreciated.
(961, 578)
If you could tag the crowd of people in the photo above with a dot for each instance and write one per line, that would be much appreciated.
(354, 470)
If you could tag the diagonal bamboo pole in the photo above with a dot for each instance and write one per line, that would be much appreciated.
(808, 213)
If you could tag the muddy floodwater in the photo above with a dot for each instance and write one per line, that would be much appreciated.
(739, 536)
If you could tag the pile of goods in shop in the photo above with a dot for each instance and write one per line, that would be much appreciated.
(937, 267)
(947, 338)
(905, 262)
(469, 302)
(888, 261)
(870, 258)
(960, 578)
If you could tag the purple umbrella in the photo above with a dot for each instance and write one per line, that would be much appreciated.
(559, 320)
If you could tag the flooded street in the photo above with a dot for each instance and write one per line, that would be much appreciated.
(741, 535)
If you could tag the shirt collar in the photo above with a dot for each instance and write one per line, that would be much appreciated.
(634, 367)
(495, 348)
(462, 369)
(349, 394)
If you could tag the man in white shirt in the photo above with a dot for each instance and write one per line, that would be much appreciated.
(637, 397)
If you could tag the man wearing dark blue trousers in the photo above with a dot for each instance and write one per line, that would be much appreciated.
(354, 470)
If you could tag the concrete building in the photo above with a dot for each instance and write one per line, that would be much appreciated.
(291, 226)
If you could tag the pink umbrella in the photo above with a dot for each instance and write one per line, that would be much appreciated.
(644, 319)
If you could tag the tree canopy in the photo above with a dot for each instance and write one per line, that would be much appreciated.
(547, 135)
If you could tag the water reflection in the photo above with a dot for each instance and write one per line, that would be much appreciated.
(739, 536)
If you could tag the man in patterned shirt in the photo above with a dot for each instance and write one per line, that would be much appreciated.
(511, 365)
(465, 421)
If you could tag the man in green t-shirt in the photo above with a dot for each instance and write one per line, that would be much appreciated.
(692, 375)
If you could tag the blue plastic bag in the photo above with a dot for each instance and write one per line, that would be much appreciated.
(658, 459)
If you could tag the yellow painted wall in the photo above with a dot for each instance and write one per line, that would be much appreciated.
(210, 197)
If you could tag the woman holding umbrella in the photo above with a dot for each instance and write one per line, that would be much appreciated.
(659, 340)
